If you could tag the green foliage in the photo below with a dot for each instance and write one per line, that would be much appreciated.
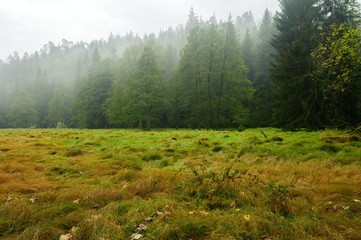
(22, 112)
(300, 69)
(3, 122)
(143, 91)
(93, 91)
(261, 111)
(296, 94)
(278, 196)
(116, 110)
(338, 68)
(217, 189)
(316, 70)
(211, 62)
(59, 108)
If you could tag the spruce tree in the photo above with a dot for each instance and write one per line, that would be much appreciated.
(144, 99)
(296, 92)
(92, 94)
(22, 112)
(261, 112)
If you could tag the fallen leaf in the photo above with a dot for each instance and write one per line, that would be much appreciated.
(76, 201)
(74, 230)
(136, 236)
(148, 220)
(346, 207)
(204, 213)
(264, 237)
(66, 237)
(357, 201)
(142, 227)
(160, 213)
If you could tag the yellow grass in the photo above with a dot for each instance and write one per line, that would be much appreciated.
(188, 184)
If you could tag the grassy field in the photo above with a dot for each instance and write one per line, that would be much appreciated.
(123, 184)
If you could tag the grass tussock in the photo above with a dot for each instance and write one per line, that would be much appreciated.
(254, 184)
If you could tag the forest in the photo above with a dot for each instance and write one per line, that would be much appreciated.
(299, 68)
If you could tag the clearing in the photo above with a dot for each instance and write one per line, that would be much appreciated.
(179, 184)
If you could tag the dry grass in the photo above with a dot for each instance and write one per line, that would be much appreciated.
(182, 184)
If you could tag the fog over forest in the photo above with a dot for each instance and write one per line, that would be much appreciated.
(28, 25)
(296, 68)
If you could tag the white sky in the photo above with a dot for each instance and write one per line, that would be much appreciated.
(26, 25)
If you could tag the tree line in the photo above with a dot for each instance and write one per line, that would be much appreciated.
(300, 68)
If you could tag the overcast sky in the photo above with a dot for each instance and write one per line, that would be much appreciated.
(26, 25)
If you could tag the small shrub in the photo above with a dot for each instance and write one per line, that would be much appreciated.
(278, 195)
(241, 128)
(218, 188)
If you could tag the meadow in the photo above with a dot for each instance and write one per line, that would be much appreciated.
(179, 184)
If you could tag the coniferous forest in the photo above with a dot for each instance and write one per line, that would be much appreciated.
(297, 68)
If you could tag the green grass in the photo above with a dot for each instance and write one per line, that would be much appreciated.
(109, 184)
